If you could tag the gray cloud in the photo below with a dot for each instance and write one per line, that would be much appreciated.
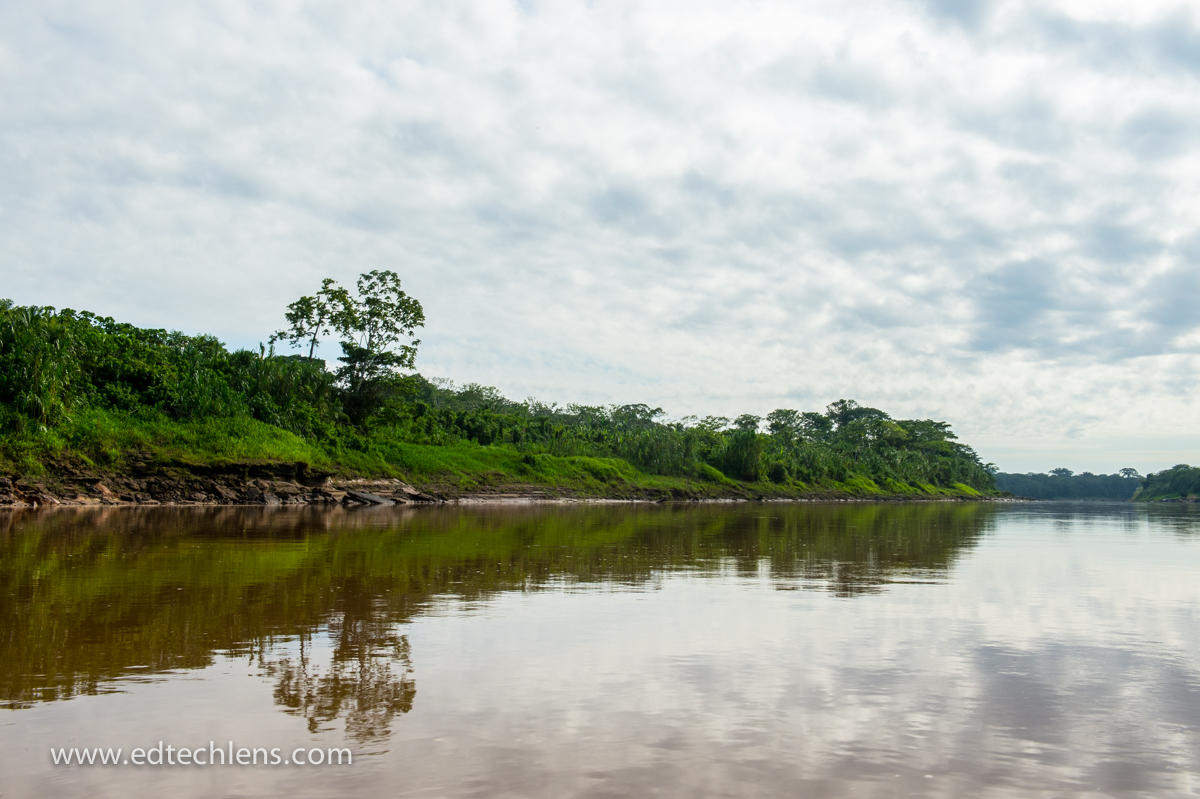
(853, 83)
(697, 209)
(1172, 40)
(968, 14)
(1041, 182)
(1108, 238)
(1028, 122)
(1175, 299)
(1014, 304)
(1158, 133)
(619, 205)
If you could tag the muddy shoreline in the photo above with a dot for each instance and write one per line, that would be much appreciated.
(281, 484)
(179, 485)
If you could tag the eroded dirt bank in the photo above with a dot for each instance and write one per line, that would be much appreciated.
(298, 484)
(238, 484)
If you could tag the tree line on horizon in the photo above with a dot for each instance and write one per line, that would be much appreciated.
(1179, 482)
(1062, 483)
(55, 364)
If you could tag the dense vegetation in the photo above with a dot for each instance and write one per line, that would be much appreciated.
(1178, 482)
(77, 387)
(1063, 484)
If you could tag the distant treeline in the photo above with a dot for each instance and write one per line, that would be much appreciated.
(1063, 484)
(72, 382)
(1178, 482)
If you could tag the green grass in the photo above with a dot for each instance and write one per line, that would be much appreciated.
(900, 488)
(857, 485)
(713, 475)
(107, 441)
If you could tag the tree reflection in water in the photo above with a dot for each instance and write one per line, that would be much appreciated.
(367, 682)
(89, 599)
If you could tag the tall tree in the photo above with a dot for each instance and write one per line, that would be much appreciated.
(377, 328)
(310, 318)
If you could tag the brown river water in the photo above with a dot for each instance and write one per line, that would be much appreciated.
(941, 649)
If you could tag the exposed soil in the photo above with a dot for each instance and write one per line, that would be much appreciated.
(298, 484)
(180, 484)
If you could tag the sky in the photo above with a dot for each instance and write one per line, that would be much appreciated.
(979, 212)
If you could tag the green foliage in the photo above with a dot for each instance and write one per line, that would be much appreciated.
(712, 475)
(39, 367)
(860, 486)
(375, 329)
(1178, 482)
(111, 438)
(52, 362)
(310, 318)
(73, 383)
(1062, 483)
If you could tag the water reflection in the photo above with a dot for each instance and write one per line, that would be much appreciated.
(88, 596)
(368, 682)
(942, 650)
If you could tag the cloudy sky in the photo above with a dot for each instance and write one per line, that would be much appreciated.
(982, 212)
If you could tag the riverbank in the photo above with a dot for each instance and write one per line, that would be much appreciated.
(93, 410)
(298, 483)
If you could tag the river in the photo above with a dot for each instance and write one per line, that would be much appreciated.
(940, 649)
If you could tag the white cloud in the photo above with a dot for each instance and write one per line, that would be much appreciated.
(970, 216)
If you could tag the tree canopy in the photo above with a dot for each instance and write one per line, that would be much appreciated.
(56, 364)
(375, 328)
(1062, 483)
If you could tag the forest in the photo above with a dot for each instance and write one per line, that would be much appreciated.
(1178, 482)
(1062, 483)
(84, 389)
